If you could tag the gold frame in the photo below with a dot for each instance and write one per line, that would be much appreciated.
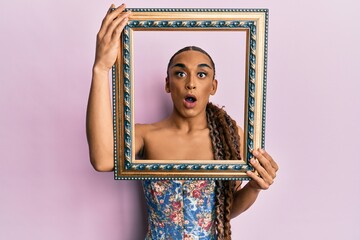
(254, 22)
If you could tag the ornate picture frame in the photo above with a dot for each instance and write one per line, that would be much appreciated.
(252, 21)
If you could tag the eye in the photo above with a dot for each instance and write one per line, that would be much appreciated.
(180, 74)
(202, 75)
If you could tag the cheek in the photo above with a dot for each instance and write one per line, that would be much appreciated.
(175, 85)
(209, 87)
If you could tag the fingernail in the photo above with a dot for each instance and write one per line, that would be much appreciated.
(252, 161)
(255, 152)
(262, 150)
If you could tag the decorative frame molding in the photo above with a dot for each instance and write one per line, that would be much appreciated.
(255, 23)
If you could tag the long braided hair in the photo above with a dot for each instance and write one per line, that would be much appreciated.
(225, 143)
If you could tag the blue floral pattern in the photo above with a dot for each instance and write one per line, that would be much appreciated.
(180, 209)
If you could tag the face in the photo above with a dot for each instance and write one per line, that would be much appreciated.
(191, 82)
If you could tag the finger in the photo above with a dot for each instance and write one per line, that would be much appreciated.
(109, 18)
(112, 8)
(118, 26)
(262, 184)
(265, 163)
(120, 21)
(262, 171)
(273, 163)
(103, 22)
(118, 30)
(112, 15)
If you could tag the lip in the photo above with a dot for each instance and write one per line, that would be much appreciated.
(188, 104)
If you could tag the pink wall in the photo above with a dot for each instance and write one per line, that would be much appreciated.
(50, 191)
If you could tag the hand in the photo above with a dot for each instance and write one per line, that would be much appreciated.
(108, 37)
(266, 168)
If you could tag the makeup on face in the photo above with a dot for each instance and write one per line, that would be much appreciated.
(191, 80)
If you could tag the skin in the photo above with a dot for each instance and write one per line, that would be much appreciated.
(190, 73)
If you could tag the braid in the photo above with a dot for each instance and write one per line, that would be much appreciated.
(225, 141)
(215, 135)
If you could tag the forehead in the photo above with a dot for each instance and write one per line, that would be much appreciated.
(191, 58)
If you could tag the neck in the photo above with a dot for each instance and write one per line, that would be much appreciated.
(188, 124)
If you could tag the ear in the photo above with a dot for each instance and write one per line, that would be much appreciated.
(167, 85)
(214, 87)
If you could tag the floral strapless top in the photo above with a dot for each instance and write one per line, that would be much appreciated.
(180, 209)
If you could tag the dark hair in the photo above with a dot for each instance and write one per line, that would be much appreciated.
(190, 48)
(226, 146)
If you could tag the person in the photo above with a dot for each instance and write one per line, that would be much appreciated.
(186, 209)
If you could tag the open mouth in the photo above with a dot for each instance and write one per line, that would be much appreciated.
(190, 98)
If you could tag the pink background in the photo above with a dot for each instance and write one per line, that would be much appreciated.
(48, 188)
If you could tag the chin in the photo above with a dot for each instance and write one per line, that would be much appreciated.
(191, 113)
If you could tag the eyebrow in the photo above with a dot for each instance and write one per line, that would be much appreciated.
(204, 65)
(181, 65)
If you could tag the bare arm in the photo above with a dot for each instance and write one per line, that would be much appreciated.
(243, 199)
(99, 127)
(267, 168)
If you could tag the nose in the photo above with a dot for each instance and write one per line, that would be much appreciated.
(190, 84)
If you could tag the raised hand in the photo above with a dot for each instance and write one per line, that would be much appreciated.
(108, 37)
(99, 126)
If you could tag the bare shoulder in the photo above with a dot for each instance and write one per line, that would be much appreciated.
(143, 129)
(144, 132)
(240, 131)
(140, 132)
(241, 136)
